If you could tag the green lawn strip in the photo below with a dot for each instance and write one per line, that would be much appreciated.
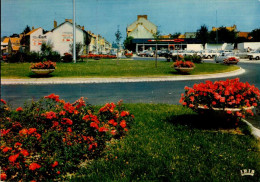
(109, 68)
(159, 149)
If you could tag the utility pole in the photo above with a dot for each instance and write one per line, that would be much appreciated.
(74, 32)
(217, 26)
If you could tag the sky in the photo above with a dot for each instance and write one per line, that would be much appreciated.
(104, 17)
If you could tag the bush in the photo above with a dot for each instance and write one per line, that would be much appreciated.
(67, 58)
(54, 56)
(50, 138)
(232, 98)
(177, 57)
(194, 58)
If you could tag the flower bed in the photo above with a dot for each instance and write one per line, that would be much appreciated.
(231, 60)
(183, 64)
(233, 97)
(98, 56)
(49, 138)
(128, 55)
(43, 65)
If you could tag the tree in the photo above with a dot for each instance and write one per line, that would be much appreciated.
(27, 29)
(255, 34)
(226, 35)
(118, 38)
(156, 37)
(203, 35)
(129, 44)
(79, 47)
(175, 35)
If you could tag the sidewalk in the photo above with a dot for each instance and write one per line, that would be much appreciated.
(36, 81)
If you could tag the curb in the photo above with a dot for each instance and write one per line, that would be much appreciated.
(42, 81)
(254, 131)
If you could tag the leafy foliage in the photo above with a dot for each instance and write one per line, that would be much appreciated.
(46, 139)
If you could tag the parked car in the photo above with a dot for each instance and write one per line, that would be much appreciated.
(188, 52)
(142, 53)
(254, 55)
(149, 54)
(220, 58)
(208, 54)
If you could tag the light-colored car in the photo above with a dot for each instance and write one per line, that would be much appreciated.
(254, 55)
(209, 54)
(142, 53)
(149, 54)
(220, 58)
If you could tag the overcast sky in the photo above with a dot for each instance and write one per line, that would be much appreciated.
(104, 16)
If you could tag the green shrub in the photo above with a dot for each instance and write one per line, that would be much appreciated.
(49, 138)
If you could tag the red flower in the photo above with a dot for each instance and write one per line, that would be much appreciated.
(19, 109)
(69, 129)
(24, 152)
(17, 144)
(13, 158)
(67, 121)
(3, 176)
(62, 113)
(31, 130)
(113, 132)
(103, 129)
(6, 149)
(55, 164)
(124, 113)
(23, 131)
(50, 115)
(33, 166)
(53, 97)
(3, 101)
(58, 172)
(94, 125)
(123, 123)
(3, 132)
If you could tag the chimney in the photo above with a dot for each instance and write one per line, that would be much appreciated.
(68, 20)
(82, 28)
(55, 24)
(141, 16)
(32, 27)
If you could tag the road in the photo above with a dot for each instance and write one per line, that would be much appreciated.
(146, 92)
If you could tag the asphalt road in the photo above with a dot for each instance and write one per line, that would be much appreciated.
(100, 93)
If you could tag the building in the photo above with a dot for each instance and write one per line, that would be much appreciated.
(10, 45)
(61, 37)
(233, 28)
(141, 28)
(190, 35)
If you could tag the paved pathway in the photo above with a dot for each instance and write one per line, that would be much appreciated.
(117, 80)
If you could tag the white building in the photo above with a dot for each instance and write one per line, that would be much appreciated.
(141, 28)
(61, 37)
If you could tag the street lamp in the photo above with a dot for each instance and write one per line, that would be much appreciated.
(74, 32)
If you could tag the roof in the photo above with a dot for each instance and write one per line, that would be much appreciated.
(29, 33)
(234, 27)
(13, 40)
(181, 36)
(243, 34)
(16, 48)
(71, 24)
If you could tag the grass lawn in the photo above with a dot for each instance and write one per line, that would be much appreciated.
(168, 143)
(109, 68)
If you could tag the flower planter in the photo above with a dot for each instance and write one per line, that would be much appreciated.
(227, 109)
(127, 56)
(42, 71)
(183, 69)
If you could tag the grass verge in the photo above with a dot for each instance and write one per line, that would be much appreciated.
(109, 68)
(166, 144)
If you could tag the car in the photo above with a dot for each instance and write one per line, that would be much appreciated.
(149, 54)
(142, 53)
(220, 58)
(209, 54)
(254, 55)
(188, 53)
